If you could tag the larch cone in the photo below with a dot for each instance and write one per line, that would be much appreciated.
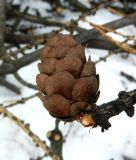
(67, 82)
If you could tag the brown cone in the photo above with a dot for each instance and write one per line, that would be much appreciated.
(67, 81)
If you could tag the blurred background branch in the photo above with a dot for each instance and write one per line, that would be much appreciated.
(21, 44)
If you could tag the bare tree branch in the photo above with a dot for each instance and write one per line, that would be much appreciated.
(84, 37)
(56, 139)
(92, 34)
(26, 129)
(2, 27)
(102, 113)
(9, 85)
(128, 76)
(14, 65)
(24, 82)
(2, 48)
(32, 18)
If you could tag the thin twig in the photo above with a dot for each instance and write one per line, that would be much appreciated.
(122, 45)
(13, 66)
(107, 29)
(128, 76)
(9, 85)
(21, 101)
(105, 57)
(40, 39)
(26, 129)
(110, 53)
(32, 18)
(68, 132)
(56, 139)
(24, 82)
(93, 34)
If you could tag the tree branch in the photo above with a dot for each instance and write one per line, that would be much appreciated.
(84, 38)
(56, 140)
(32, 18)
(26, 129)
(13, 65)
(102, 113)
(24, 82)
(92, 34)
(9, 85)
(128, 76)
(3, 81)
(125, 102)
(2, 27)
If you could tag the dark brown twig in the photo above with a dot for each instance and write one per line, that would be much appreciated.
(102, 113)
(56, 139)
(32, 18)
(3, 81)
(9, 85)
(13, 66)
(25, 83)
(127, 76)
(83, 38)
(79, 6)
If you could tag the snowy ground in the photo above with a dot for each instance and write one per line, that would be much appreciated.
(82, 143)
